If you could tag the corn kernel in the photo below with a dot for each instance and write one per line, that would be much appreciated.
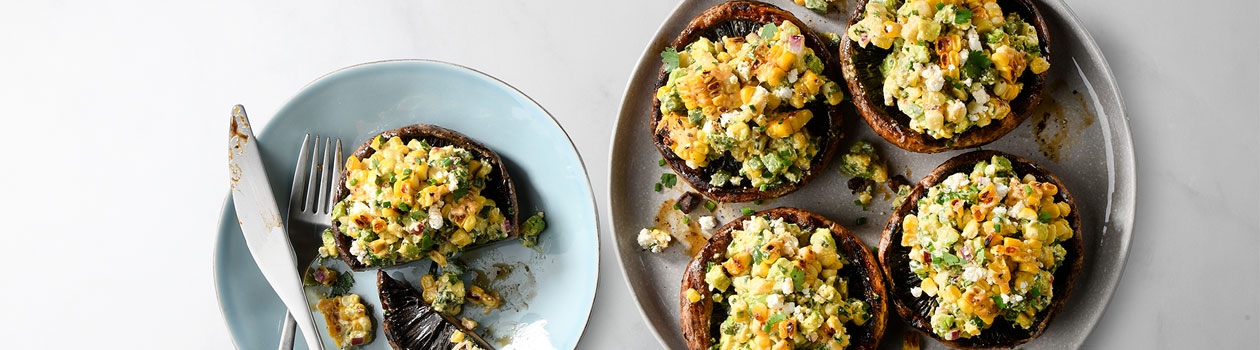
(692, 295)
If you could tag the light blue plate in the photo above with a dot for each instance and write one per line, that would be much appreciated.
(548, 291)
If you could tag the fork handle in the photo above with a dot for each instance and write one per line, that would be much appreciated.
(288, 332)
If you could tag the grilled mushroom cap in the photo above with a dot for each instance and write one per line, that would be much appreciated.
(701, 320)
(412, 324)
(499, 188)
(917, 311)
(861, 73)
(737, 19)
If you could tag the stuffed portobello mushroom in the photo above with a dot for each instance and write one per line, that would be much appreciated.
(418, 192)
(783, 277)
(745, 106)
(984, 252)
(412, 324)
(930, 76)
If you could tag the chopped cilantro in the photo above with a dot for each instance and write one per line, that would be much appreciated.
(670, 57)
(669, 180)
(774, 319)
(661, 162)
(657, 187)
(798, 278)
(962, 16)
(343, 284)
(977, 63)
(747, 211)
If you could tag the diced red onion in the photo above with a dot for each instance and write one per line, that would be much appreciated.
(796, 43)
(320, 275)
(966, 252)
(863, 39)
(359, 340)
(953, 335)
(927, 257)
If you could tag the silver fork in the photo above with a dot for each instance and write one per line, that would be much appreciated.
(310, 209)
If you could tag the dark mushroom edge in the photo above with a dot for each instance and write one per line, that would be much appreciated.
(916, 310)
(739, 18)
(865, 82)
(412, 324)
(500, 188)
(701, 320)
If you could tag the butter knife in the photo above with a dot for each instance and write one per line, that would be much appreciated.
(260, 220)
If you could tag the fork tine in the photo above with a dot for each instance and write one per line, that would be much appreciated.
(324, 178)
(304, 155)
(330, 174)
(312, 181)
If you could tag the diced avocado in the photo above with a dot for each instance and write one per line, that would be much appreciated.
(717, 279)
(531, 228)
(409, 251)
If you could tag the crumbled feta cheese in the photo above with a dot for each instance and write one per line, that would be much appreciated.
(734, 80)
(1015, 209)
(1018, 298)
(999, 211)
(783, 92)
(980, 95)
(452, 182)
(973, 273)
(1002, 190)
(435, 216)
(792, 76)
(774, 301)
(654, 239)
(973, 40)
(744, 70)
(916, 292)
(957, 180)
(708, 222)
(789, 308)
(359, 250)
(933, 79)
(786, 287)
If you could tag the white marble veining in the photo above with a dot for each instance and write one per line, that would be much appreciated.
(116, 111)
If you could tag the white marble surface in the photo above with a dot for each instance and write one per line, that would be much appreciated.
(116, 111)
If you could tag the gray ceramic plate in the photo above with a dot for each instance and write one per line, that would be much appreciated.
(1080, 132)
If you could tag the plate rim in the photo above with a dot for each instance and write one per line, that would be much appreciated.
(594, 207)
(1124, 145)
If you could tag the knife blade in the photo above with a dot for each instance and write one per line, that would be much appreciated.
(262, 226)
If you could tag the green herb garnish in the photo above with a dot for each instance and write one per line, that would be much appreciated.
(670, 57)
(669, 180)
